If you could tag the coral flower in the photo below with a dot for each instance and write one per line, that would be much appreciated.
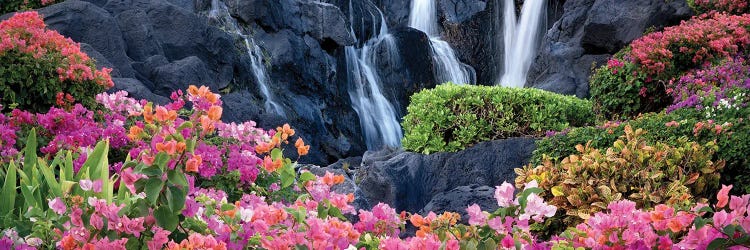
(214, 113)
(302, 149)
(192, 164)
(723, 196)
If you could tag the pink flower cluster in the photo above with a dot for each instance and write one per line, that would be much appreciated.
(730, 6)
(693, 42)
(26, 33)
(716, 82)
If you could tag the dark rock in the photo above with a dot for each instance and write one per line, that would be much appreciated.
(99, 59)
(137, 90)
(457, 11)
(612, 24)
(87, 23)
(408, 181)
(138, 35)
(180, 74)
(470, 26)
(396, 12)
(588, 32)
(411, 72)
(460, 198)
(322, 21)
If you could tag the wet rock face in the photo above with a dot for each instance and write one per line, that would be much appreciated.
(589, 32)
(157, 46)
(409, 181)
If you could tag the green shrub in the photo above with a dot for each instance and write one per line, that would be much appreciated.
(453, 117)
(16, 5)
(40, 68)
(631, 168)
(731, 135)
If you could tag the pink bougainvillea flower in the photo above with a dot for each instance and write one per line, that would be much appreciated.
(723, 196)
(129, 178)
(476, 215)
(504, 194)
(58, 206)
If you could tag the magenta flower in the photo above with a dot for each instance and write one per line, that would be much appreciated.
(58, 206)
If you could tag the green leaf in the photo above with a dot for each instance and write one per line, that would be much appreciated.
(176, 198)
(49, 176)
(287, 175)
(718, 243)
(276, 154)
(161, 161)
(306, 176)
(322, 211)
(29, 152)
(177, 178)
(488, 244)
(8, 192)
(153, 189)
(699, 222)
(335, 212)
(152, 171)
(166, 219)
(28, 196)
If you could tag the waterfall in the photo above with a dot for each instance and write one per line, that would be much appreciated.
(521, 40)
(376, 114)
(423, 17)
(220, 13)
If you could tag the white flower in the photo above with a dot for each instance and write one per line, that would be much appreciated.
(246, 214)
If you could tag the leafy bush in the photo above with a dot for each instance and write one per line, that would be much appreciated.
(633, 169)
(452, 117)
(637, 79)
(40, 68)
(16, 5)
(727, 131)
(729, 6)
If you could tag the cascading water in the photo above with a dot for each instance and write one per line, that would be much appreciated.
(521, 40)
(376, 114)
(220, 13)
(423, 17)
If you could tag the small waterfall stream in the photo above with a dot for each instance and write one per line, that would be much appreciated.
(423, 16)
(220, 13)
(376, 114)
(521, 40)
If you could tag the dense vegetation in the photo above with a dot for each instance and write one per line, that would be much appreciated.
(102, 170)
(453, 117)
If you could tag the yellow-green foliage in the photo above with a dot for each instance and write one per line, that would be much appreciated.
(452, 117)
(632, 169)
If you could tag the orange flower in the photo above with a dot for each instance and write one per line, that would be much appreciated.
(263, 148)
(207, 125)
(275, 141)
(193, 90)
(181, 146)
(169, 147)
(417, 220)
(148, 113)
(212, 98)
(193, 163)
(164, 115)
(271, 165)
(135, 133)
(214, 113)
(301, 148)
(285, 131)
(68, 242)
(147, 159)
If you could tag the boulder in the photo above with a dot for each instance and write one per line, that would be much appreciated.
(409, 181)
(460, 198)
(180, 74)
(457, 11)
(410, 71)
(87, 23)
(137, 90)
(323, 21)
(589, 32)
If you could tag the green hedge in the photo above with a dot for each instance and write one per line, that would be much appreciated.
(732, 140)
(452, 117)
